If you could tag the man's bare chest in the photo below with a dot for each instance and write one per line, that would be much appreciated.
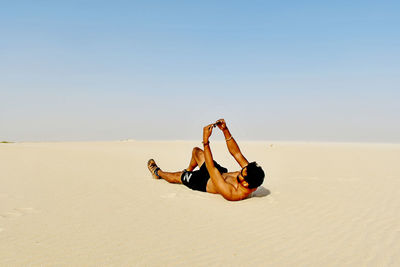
(230, 178)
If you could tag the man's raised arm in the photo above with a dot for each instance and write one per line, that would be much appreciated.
(223, 188)
(231, 144)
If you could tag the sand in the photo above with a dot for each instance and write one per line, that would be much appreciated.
(95, 203)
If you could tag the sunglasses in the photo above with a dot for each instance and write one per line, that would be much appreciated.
(244, 180)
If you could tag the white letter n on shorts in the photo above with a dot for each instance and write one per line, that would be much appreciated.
(187, 176)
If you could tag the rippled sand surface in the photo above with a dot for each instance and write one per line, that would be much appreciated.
(95, 203)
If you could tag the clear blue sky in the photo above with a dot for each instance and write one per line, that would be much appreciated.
(160, 70)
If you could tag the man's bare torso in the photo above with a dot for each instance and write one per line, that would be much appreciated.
(231, 178)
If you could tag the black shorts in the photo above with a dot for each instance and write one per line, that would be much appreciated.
(197, 180)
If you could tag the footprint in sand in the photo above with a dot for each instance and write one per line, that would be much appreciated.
(17, 212)
(27, 210)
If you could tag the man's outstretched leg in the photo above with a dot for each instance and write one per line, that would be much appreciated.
(197, 159)
(171, 177)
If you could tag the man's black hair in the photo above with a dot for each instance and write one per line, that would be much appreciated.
(255, 175)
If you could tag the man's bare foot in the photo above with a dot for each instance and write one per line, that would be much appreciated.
(153, 168)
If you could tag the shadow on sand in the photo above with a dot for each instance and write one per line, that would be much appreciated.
(261, 192)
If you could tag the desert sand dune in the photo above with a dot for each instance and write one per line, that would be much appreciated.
(95, 203)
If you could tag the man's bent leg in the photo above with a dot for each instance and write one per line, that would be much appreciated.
(171, 177)
(175, 177)
(197, 159)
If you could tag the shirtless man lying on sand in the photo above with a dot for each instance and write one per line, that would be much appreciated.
(231, 185)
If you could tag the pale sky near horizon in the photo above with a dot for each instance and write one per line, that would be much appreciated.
(161, 70)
